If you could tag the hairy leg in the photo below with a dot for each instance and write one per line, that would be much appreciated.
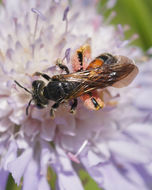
(74, 105)
(45, 76)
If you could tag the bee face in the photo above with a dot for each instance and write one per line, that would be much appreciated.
(38, 96)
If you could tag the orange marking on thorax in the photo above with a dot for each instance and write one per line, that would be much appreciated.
(94, 64)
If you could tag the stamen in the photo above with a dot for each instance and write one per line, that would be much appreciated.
(38, 14)
(110, 4)
(134, 37)
(73, 157)
(15, 23)
(36, 24)
(36, 11)
(120, 30)
(111, 16)
(126, 27)
(82, 147)
(126, 42)
(67, 55)
(65, 18)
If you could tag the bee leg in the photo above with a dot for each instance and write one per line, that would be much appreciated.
(53, 109)
(92, 101)
(62, 66)
(73, 106)
(81, 58)
(45, 76)
(95, 103)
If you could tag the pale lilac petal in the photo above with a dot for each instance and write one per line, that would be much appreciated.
(3, 179)
(69, 181)
(142, 101)
(141, 133)
(67, 177)
(4, 124)
(48, 130)
(73, 143)
(32, 127)
(145, 173)
(5, 108)
(17, 116)
(94, 171)
(94, 159)
(31, 176)
(130, 151)
(47, 155)
(67, 125)
(18, 166)
(10, 155)
(43, 184)
(133, 182)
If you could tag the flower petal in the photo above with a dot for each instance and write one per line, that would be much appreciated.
(66, 173)
(47, 130)
(131, 151)
(3, 179)
(43, 184)
(18, 166)
(119, 181)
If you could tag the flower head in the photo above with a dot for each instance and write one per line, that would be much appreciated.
(34, 34)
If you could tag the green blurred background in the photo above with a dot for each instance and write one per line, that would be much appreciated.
(137, 14)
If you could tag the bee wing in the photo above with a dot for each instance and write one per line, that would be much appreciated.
(131, 75)
(119, 74)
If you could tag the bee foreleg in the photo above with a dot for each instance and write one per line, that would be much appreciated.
(45, 76)
(53, 109)
(73, 106)
(62, 66)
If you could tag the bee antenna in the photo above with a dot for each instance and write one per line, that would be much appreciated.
(27, 108)
(22, 87)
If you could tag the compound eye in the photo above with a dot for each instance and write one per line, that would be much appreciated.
(34, 83)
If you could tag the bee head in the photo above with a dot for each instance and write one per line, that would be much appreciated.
(38, 97)
(36, 93)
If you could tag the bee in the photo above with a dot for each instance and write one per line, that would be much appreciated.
(104, 71)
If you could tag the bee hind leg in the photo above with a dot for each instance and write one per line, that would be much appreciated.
(92, 101)
(95, 103)
(73, 106)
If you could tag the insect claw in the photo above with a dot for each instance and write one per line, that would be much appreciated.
(72, 111)
(52, 114)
